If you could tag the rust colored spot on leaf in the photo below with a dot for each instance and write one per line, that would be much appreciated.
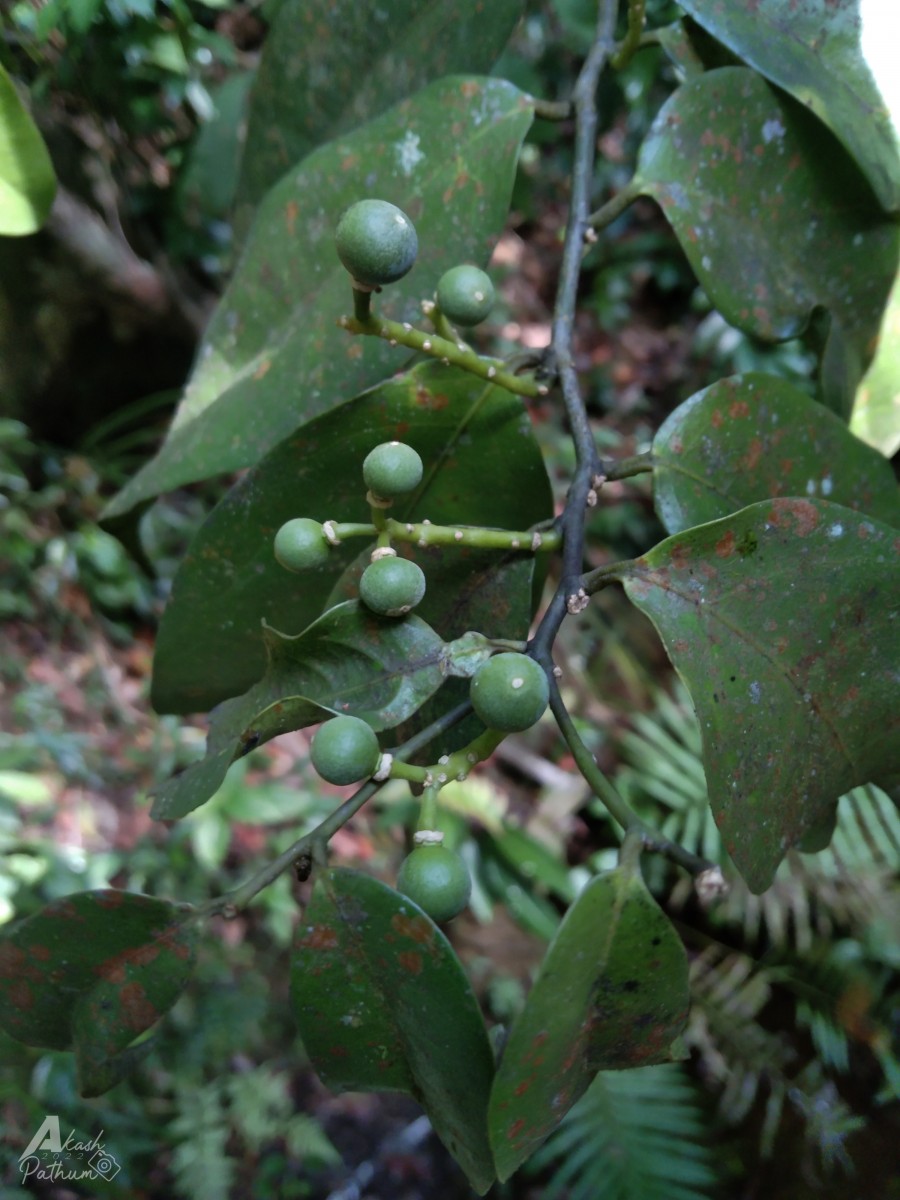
(137, 1010)
(754, 454)
(410, 961)
(725, 545)
(291, 212)
(738, 408)
(804, 513)
(416, 928)
(263, 369)
(681, 554)
(521, 1088)
(515, 1129)
(320, 937)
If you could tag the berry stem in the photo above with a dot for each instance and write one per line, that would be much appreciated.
(428, 810)
(362, 302)
(448, 351)
(629, 45)
(475, 537)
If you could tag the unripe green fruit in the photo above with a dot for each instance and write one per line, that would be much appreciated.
(300, 544)
(345, 750)
(392, 586)
(437, 880)
(509, 692)
(392, 469)
(376, 242)
(465, 295)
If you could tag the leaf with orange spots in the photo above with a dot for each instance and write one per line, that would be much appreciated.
(94, 971)
(772, 213)
(328, 65)
(784, 622)
(753, 437)
(482, 467)
(611, 993)
(836, 56)
(383, 1004)
(349, 661)
(447, 156)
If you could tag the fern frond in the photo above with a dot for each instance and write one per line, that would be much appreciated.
(634, 1135)
(729, 991)
(200, 1164)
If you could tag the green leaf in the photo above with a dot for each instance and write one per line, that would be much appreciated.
(782, 621)
(876, 411)
(209, 645)
(834, 56)
(349, 661)
(612, 992)
(329, 65)
(94, 971)
(27, 181)
(752, 437)
(273, 357)
(383, 1004)
(771, 212)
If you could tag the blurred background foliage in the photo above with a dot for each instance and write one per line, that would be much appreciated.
(793, 1074)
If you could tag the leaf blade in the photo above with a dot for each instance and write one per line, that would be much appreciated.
(779, 621)
(593, 1007)
(277, 322)
(769, 439)
(382, 1001)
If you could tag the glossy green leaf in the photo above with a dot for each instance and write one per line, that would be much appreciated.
(752, 437)
(783, 622)
(772, 213)
(27, 181)
(837, 57)
(94, 971)
(349, 661)
(483, 466)
(612, 992)
(876, 411)
(329, 65)
(273, 356)
(383, 1004)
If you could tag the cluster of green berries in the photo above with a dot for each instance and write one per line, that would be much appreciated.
(390, 586)
(377, 243)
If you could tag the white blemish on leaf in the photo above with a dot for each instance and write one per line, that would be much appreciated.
(772, 129)
(408, 153)
(836, 530)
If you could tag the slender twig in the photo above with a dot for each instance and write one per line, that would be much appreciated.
(632, 40)
(231, 903)
(618, 809)
(587, 462)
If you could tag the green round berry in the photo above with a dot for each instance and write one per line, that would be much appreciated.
(392, 586)
(465, 295)
(437, 880)
(300, 544)
(345, 750)
(509, 692)
(392, 469)
(376, 242)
